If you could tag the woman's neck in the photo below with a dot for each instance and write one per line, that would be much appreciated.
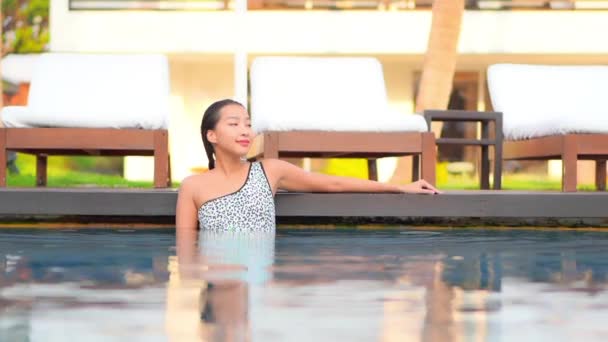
(229, 165)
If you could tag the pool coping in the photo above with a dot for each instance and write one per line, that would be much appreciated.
(484, 207)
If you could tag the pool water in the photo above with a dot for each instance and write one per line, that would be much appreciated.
(395, 284)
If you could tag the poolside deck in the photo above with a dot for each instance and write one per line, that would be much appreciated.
(453, 207)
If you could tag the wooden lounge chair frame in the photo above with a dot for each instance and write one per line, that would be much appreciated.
(369, 145)
(43, 142)
(569, 148)
(550, 111)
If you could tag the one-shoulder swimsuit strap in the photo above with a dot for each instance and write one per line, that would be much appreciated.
(251, 208)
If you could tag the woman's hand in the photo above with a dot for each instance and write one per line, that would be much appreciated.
(419, 187)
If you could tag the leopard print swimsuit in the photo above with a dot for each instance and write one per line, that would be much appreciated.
(251, 208)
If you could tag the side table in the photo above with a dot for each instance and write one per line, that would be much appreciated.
(485, 142)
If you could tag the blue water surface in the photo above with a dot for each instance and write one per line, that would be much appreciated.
(393, 284)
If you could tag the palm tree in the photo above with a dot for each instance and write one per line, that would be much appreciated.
(439, 65)
(441, 54)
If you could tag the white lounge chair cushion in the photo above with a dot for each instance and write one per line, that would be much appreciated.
(541, 100)
(327, 94)
(17, 68)
(95, 91)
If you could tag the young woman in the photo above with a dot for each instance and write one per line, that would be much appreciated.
(238, 195)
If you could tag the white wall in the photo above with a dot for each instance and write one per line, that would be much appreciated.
(202, 46)
(196, 82)
(402, 32)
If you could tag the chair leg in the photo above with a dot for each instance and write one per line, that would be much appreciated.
(161, 159)
(429, 157)
(499, 139)
(3, 153)
(569, 157)
(169, 178)
(372, 169)
(2, 167)
(271, 146)
(600, 175)
(484, 179)
(498, 166)
(415, 167)
(41, 167)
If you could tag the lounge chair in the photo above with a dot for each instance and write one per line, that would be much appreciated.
(553, 112)
(332, 108)
(80, 104)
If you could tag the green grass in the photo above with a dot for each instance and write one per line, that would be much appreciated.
(510, 182)
(520, 181)
(445, 181)
(78, 179)
(84, 179)
(60, 174)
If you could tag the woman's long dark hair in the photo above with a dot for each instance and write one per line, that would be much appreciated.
(210, 120)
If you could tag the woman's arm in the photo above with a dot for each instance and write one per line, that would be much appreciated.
(290, 177)
(185, 210)
(186, 224)
(186, 244)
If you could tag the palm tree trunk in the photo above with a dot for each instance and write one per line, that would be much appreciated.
(439, 66)
(441, 55)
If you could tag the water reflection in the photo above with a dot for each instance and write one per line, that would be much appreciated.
(220, 270)
(76, 285)
(302, 285)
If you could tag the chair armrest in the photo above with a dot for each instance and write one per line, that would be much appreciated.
(471, 116)
(460, 115)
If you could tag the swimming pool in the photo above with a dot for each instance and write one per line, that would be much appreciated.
(394, 284)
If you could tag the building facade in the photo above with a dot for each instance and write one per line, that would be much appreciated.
(212, 43)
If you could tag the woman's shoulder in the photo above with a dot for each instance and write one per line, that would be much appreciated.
(194, 182)
(277, 166)
(272, 166)
(195, 186)
(272, 163)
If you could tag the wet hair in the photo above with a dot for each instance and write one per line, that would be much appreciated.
(210, 120)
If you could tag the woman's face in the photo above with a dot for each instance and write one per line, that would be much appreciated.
(233, 133)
